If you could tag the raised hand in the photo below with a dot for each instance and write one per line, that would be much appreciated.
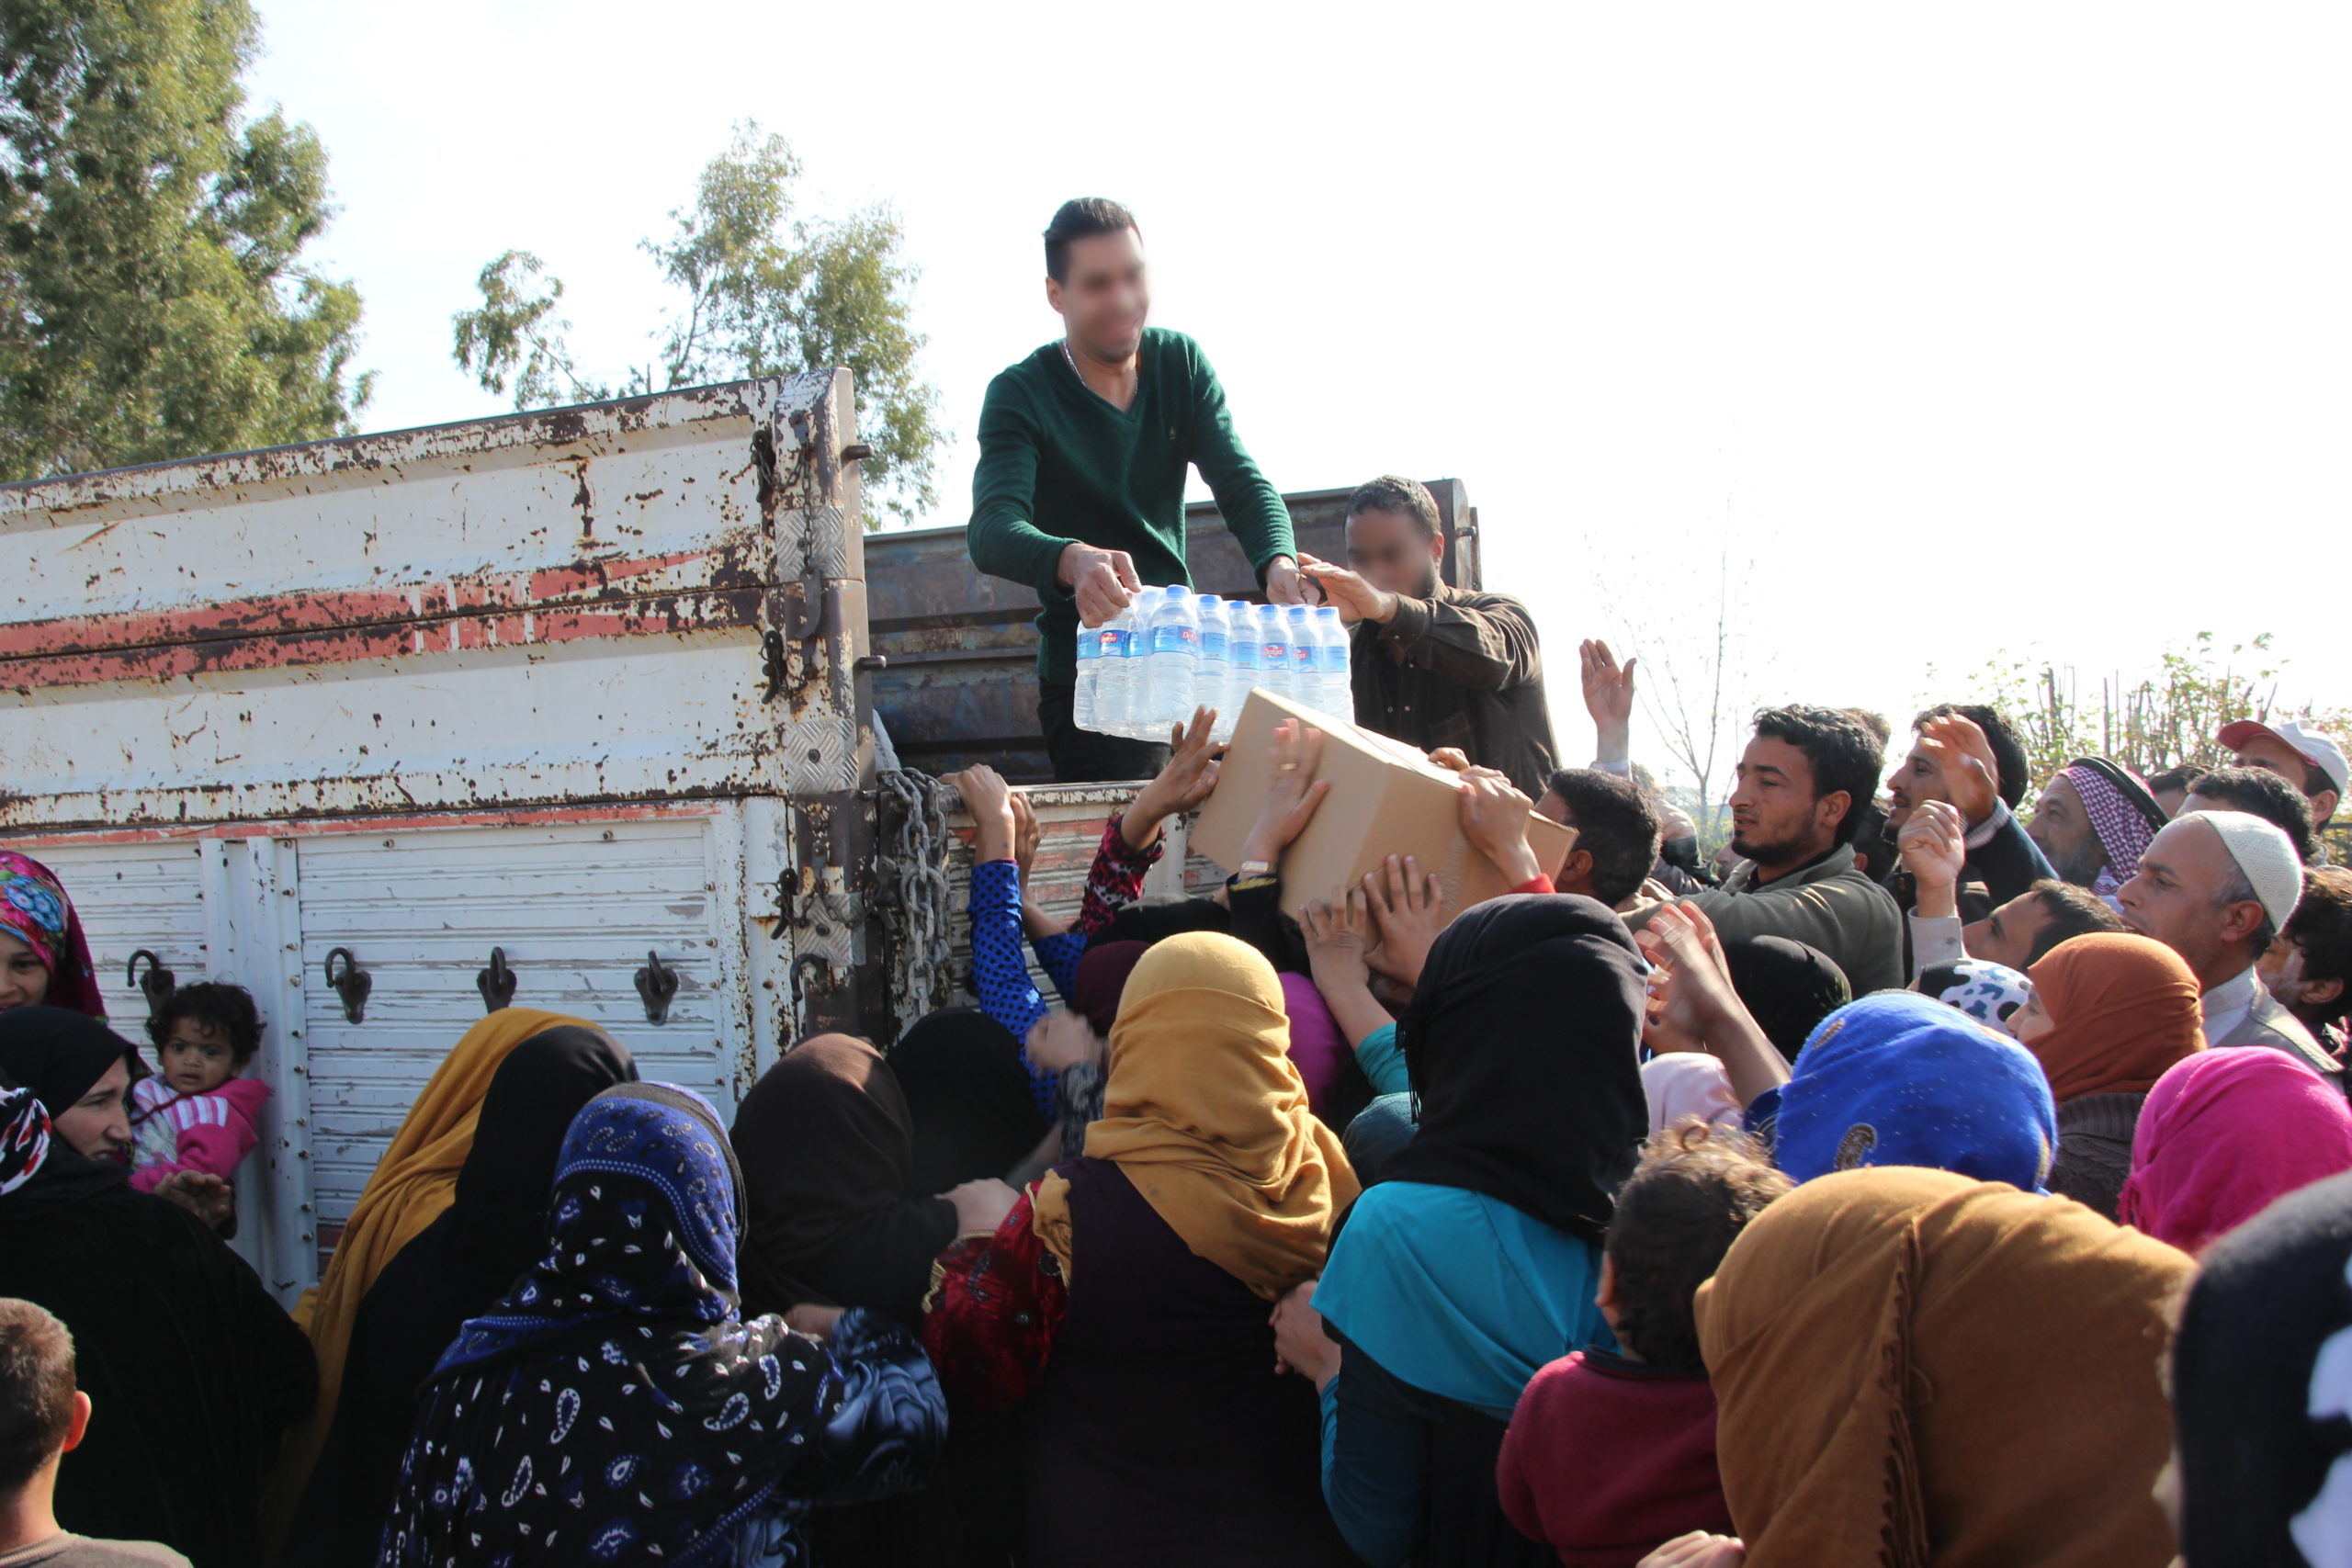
(1355, 599)
(1934, 847)
(1027, 834)
(1338, 932)
(1494, 819)
(1293, 792)
(1607, 697)
(988, 799)
(1408, 910)
(1191, 774)
(1972, 778)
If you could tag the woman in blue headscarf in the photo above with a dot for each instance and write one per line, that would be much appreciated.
(615, 1408)
(1899, 1078)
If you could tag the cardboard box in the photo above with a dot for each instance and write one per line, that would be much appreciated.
(1386, 798)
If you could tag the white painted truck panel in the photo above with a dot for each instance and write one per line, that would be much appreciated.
(575, 909)
(583, 685)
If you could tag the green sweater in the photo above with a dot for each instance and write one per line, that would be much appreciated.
(1060, 464)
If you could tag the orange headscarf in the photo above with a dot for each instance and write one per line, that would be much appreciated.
(1917, 1370)
(412, 1183)
(1209, 1120)
(2125, 1009)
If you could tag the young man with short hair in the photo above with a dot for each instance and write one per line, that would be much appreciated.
(2216, 887)
(1617, 834)
(2260, 792)
(1793, 808)
(1433, 665)
(2171, 787)
(1079, 490)
(2309, 968)
(43, 1417)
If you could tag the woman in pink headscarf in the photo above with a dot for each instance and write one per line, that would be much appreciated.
(43, 956)
(2225, 1134)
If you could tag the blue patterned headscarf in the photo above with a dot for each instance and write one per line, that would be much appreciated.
(1897, 1078)
(643, 1222)
(612, 1409)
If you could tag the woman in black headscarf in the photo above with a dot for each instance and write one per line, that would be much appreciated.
(494, 1230)
(1787, 986)
(195, 1367)
(969, 1099)
(828, 1157)
(827, 1154)
(81, 1077)
(2262, 1391)
(1474, 1261)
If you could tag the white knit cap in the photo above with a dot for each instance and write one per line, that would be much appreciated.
(2267, 858)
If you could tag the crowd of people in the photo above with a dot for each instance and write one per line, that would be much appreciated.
(1956, 1174)
(1639, 1216)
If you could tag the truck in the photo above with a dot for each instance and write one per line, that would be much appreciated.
(614, 710)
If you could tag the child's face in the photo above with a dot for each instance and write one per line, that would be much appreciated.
(195, 1059)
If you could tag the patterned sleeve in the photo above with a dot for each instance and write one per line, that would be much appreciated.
(999, 973)
(1115, 877)
(994, 1315)
(884, 1420)
(1059, 954)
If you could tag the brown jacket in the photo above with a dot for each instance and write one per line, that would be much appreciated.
(1458, 668)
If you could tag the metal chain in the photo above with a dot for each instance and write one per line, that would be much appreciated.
(919, 915)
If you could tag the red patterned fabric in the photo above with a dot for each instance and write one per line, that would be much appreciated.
(1116, 878)
(996, 1312)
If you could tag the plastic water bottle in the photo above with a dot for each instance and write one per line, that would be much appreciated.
(1173, 666)
(1331, 664)
(1241, 647)
(1084, 700)
(1306, 665)
(1210, 686)
(1273, 651)
(1121, 664)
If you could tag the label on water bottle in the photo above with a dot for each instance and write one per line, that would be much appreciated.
(1176, 639)
(1302, 658)
(1113, 643)
(1212, 645)
(1272, 654)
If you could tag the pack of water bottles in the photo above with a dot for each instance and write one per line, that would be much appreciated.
(1172, 650)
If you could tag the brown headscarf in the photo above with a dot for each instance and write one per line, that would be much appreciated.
(1921, 1370)
(2126, 1008)
(1209, 1120)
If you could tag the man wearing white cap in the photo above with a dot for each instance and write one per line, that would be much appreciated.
(2304, 757)
(2216, 886)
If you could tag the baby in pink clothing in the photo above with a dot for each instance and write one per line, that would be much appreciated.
(197, 1113)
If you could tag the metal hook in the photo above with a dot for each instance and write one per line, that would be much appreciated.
(495, 983)
(352, 985)
(656, 984)
(155, 984)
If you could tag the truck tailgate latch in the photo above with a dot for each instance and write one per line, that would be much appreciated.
(656, 984)
(352, 985)
(497, 983)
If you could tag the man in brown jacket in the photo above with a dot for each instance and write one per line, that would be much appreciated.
(1431, 665)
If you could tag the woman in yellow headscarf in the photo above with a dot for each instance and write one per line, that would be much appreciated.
(1126, 1297)
(411, 1185)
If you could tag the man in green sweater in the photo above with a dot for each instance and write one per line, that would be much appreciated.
(1080, 493)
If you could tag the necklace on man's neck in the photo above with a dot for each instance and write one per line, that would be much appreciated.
(1073, 362)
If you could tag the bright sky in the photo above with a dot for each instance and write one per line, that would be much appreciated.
(2016, 327)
